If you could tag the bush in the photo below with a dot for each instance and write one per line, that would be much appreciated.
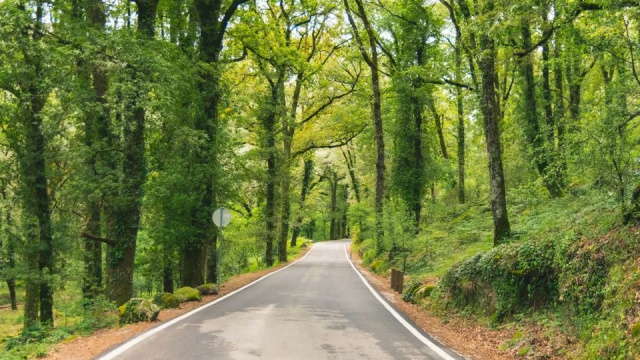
(138, 310)
(188, 294)
(97, 314)
(170, 301)
(503, 280)
(207, 289)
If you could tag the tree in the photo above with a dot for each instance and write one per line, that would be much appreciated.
(370, 57)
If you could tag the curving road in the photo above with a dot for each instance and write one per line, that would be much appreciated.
(317, 308)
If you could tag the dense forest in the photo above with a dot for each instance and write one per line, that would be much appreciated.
(489, 148)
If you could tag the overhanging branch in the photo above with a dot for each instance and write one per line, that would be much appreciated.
(313, 146)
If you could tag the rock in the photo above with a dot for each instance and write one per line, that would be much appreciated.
(188, 294)
(138, 310)
(207, 289)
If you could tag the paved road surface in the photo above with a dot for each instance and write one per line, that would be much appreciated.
(317, 308)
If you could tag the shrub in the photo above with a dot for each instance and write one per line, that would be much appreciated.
(137, 310)
(207, 289)
(97, 314)
(503, 280)
(188, 294)
(170, 301)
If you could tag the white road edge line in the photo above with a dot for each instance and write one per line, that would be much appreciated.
(131, 343)
(443, 354)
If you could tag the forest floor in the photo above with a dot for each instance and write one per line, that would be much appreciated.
(88, 347)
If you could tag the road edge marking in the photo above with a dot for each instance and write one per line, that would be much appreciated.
(120, 349)
(437, 349)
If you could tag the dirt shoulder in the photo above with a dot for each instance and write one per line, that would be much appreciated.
(88, 347)
(472, 341)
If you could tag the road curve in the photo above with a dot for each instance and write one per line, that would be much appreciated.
(316, 308)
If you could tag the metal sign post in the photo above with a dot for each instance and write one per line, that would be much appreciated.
(221, 217)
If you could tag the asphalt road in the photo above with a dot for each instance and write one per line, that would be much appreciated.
(317, 308)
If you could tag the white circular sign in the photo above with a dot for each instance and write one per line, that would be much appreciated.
(221, 217)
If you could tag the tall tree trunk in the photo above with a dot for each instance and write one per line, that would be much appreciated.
(10, 244)
(438, 121)
(418, 161)
(333, 228)
(372, 62)
(32, 290)
(125, 214)
(559, 113)
(268, 123)
(461, 127)
(491, 113)
(213, 21)
(285, 191)
(533, 130)
(167, 270)
(348, 158)
(96, 124)
(547, 100)
(34, 177)
(306, 181)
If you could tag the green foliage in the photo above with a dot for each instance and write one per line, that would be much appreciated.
(96, 314)
(505, 280)
(138, 310)
(167, 300)
(188, 294)
(207, 289)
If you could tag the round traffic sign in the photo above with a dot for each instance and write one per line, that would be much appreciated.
(221, 217)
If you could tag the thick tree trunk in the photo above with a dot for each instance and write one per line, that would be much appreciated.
(32, 290)
(37, 202)
(167, 271)
(213, 21)
(268, 123)
(285, 191)
(124, 217)
(491, 113)
(92, 280)
(194, 265)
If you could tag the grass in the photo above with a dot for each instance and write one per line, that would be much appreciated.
(10, 322)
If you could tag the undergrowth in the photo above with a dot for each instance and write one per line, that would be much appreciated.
(570, 274)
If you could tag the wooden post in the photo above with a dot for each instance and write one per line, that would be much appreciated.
(399, 281)
(393, 279)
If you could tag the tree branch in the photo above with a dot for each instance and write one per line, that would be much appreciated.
(89, 236)
(313, 146)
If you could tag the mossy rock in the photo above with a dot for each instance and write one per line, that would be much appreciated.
(138, 310)
(207, 289)
(188, 294)
(170, 301)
